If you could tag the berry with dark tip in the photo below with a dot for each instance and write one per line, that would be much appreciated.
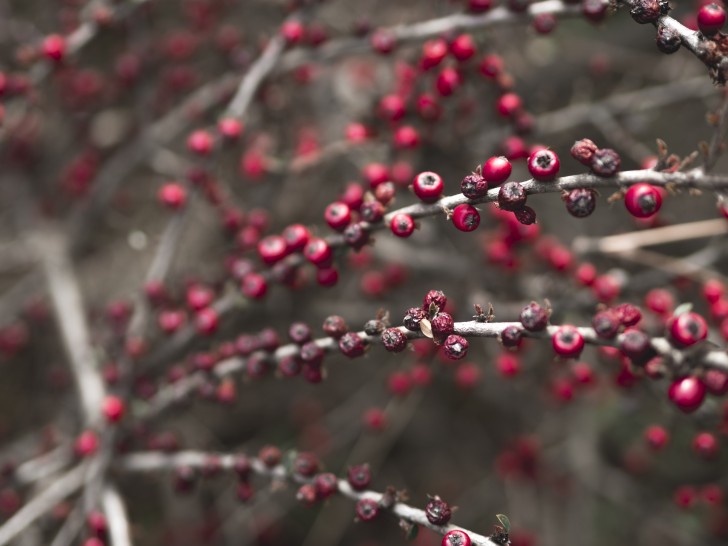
(318, 252)
(300, 333)
(583, 151)
(474, 186)
(402, 225)
(372, 211)
(465, 217)
(438, 512)
(534, 318)
(412, 319)
(668, 39)
(687, 329)
(580, 202)
(605, 162)
(335, 326)
(326, 484)
(511, 337)
(366, 509)
(455, 347)
(648, 11)
(394, 340)
(359, 477)
(512, 196)
(606, 324)
(544, 165)
(568, 342)
(442, 325)
(352, 345)
(428, 186)
(642, 200)
(270, 456)
(434, 298)
(305, 464)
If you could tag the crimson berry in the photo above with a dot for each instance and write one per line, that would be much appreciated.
(456, 537)
(642, 200)
(511, 336)
(438, 512)
(534, 318)
(657, 437)
(462, 47)
(508, 364)
(306, 495)
(567, 342)
(293, 32)
(705, 444)
(244, 491)
(270, 456)
(442, 325)
(713, 290)
(352, 345)
(207, 321)
(54, 47)
(97, 524)
(628, 314)
(433, 52)
(434, 299)
(335, 326)
(289, 366)
(428, 186)
(406, 137)
(583, 151)
(86, 444)
(318, 252)
(687, 329)
(300, 333)
(172, 196)
(375, 419)
(200, 142)
(338, 215)
(402, 225)
(512, 196)
(412, 318)
(491, 66)
(648, 11)
(687, 393)
(605, 162)
(428, 109)
(606, 324)
(230, 128)
(359, 477)
(594, 10)
(326, 484)
(375, 174)
(394, 340)
(254, 286)
(525, 215)
(544, 165)
(113, 409)
(455, 347)
(544, 23)
(496, 170)
(272, 249)
(580, 202)
(474, 186)
(466, 217)
(508, 105)
(391, 108)
(305, 464)
(448, 81)
(366, 509)
(685, 496)
(711, 19)
(372, 211)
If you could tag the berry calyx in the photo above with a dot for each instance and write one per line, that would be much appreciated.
(456, 538)
(567, 342)
(402, 225)
(642, 200)
(428, 186)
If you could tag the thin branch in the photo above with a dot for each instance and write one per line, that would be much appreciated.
(119, 533)
(149, 462)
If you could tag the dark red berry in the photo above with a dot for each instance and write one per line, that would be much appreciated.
(544, 23)
(305, 464)
(254, 286)
(272, 248)
(374, 327)
(270, 456)
(306, 495)
(525, 215)
(511, 337)
(629, 315)
(567, 342)
(442, 325)
(544, 165)
(687, 329)
(359, 477)
(318, 252)
(338, 215)
(394, 340)
(512, 196)
(594, 10)
(335, 326)
(402, 225)
(372, 211)
(668, 39)
(496, 170)
(466, 217)
(428, 186)
(636, 346)
(311, 353)
(455, 347)
(606, 324)
(356, 236)
(326, 484)
(534, 318)
(352, 345)
(438, 512)
(648, 11)
(474, 186)
(434, 299)
(412, 319)
(300, 332)
(642, 200)
(605, 162)
(687, 393)
(366, 509)
(296, 237)
(711, 19)
(290, 365)
(580, 202)
(583, 151)
(657, 437)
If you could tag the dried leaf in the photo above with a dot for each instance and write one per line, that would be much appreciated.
(426, 328)
(505, 522)
(682, 309)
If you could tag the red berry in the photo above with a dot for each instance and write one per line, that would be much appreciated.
(466, 217)
(713, 290)
(113, 408)
(463, 47)
(207, 321)
(512, 196)
(230, 128)
(270, 456)
(455, 347)
(272, 249)
(657, 437)
(544, 165)
(391, 108)
(359, 477)
(172, 196)
(567, 342)
(456, 538)
(338, 215)
(508, 364)
(366, 509)
(293, 32)
(54, 47)
(86, 444)
(406, 137)
(200, 142)
(687, 393)
(448, 81)
(711, 19)
(318, 252)
(394, 340)
(642, 200)
(428, 186)
(326, 484)
(402, 225)
(496, 170)
(705, 444)
(254, 286)
(534, 317)
(687, 329)
(508, 105)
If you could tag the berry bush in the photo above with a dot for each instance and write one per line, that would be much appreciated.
(328, 272)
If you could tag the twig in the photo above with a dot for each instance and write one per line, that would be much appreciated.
(116, 515)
